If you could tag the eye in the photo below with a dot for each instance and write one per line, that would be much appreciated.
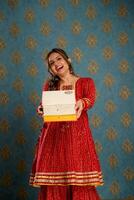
(59, 58)
(51, 63)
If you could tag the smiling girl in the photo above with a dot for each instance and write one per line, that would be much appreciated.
(66, 166)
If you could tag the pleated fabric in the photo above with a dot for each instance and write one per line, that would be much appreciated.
(68, 193)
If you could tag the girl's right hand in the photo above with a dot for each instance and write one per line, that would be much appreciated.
(40, 110)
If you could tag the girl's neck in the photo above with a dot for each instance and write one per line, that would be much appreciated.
(67, 79)
(68, 82)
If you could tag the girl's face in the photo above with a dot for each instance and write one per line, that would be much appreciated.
(58, 65)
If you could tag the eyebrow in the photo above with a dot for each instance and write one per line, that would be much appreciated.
(53, 60)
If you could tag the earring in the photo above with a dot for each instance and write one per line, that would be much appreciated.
(69, 60)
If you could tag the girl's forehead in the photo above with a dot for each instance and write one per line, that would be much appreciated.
(53, 56)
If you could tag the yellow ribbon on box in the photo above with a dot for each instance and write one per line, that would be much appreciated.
(54, 118)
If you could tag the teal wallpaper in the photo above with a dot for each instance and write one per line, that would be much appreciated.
(99, 37)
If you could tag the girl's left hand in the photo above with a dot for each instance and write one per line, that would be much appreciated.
(79, 108)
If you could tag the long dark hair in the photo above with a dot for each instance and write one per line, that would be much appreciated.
(54, 79)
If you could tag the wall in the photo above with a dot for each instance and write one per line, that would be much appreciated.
(98, 36)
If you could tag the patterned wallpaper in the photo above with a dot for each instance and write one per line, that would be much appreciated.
(98, 35)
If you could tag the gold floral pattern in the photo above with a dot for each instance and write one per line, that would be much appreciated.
(31, 43)
(129, 174)
(96, 120)
(91, 40)
(130, 197)
(32, 70)
(115, 188)
(106, 2)
(111, 133)
(128, 146)
(108, 53)
(75, 2)
(61, 42)
(18, 84)
(44, 3)
(3, 71)
(44, 54)
(45, 29)
(98, 147)
(123, 38)
(76, 27)
(126, 119)
(16, 57)
(29, 15)
(22, 193)
(14, 30)
(60, 14)
(77, 54)
(124, 66)
(13, 3)
(110, 106)
(109, 80)
(124, 92)
(19, 111)
(93, 67)
(35, 124)
(91, 12)
(122, 10)
(21, 166)
(107, 26)
(5, 152)
(6, 179)
(113, 161)
(20, 138)
(4, 98)
(34, 97)
(2, 44)
(4, 125)
(2, 16)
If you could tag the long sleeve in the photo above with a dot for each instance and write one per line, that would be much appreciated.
(89, 94)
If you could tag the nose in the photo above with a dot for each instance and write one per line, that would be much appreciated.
(56, 63)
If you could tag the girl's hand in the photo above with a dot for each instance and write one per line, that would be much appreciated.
(40, 110)
(79, 108)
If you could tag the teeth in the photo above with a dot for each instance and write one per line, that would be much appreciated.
(59, 68)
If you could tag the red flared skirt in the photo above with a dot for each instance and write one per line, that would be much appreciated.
(66, 155)
(68, 193)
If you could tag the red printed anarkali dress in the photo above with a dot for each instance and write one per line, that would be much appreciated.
(65, 153)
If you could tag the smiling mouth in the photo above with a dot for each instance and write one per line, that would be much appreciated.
(59, 68)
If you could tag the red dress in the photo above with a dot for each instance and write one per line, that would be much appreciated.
(65, 153)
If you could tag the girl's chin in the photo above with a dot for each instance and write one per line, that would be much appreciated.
(61, 75)
(60, 72)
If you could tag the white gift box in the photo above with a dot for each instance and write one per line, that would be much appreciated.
(59, 105)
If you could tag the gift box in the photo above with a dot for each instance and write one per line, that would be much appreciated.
(59, 105)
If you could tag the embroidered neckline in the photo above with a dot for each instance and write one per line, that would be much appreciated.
(67, 87)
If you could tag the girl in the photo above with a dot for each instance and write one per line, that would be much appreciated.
(66, 166)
